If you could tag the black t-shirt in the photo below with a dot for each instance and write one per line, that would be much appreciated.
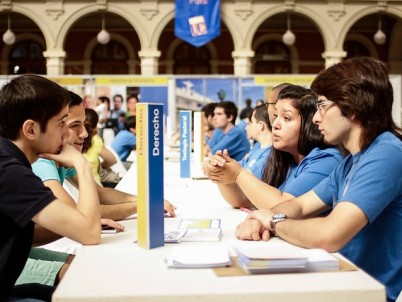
(22, 196)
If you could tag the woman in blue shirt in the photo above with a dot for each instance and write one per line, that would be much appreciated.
(299, 159)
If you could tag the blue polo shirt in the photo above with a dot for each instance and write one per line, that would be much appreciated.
(316, 166)
(372, 180)
(123, 143)
(256, 160)
(235, 141)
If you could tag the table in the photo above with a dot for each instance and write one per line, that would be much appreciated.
(119, 270)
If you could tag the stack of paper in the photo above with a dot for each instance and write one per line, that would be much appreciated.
(259, 259)
(321, 260)
(271, 258)
(198, 257)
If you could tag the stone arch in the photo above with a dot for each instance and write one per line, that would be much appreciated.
(277, 37)
(395, 42)
(128, 46)
(93, 8)
(366, 42)
(19, 38)
(35, 18)
(93, 42)
(302, 11)
(177, 42)
(157, 32)
(373, 9)
(238, 42)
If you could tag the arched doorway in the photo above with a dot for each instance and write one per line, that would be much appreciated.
(27, 57)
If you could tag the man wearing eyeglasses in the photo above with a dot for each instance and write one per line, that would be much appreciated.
(364, 191)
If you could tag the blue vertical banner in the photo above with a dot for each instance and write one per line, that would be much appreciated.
(185, 143)
(150, 198)
(197, 21)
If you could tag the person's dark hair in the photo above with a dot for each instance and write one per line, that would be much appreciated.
(229, 108)
(29, 97)
(105, 99)
(361, 89)
(118, 96)
(87, 140)
(133, 96)
(208, 109)
(92, 117)
(91, 121)
(74, 99)
(279, 162)
(261, 115)
(130, 122)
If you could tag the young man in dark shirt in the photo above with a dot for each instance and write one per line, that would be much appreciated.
(33, 112)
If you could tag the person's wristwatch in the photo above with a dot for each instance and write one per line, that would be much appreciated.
(274, 220)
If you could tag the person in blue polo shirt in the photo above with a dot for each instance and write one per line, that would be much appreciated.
(125, 141)
(298, 161)
(259, 129)
(234, 139)
(354, 109)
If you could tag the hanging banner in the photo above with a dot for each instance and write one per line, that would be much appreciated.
(197, 21)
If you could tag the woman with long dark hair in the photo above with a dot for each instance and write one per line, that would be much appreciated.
(299, 159)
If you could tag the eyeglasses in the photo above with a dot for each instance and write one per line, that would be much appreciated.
(269, 103)
(323, 106)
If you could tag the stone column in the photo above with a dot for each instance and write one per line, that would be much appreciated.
(149, 61)
(54, 62)
(242, 62)
(333, 56)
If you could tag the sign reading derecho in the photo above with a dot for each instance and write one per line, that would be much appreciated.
(150, 175)
(185, 143)
(197, 21)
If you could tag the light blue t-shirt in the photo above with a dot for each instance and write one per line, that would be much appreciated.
(256, 160)
(123, 143)
(316, 166)
(235, 141)
(46, 169)
(372, 180)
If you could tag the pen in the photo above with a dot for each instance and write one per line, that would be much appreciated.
(246, 210)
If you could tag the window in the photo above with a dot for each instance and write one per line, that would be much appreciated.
(355, 49)
(272, 57)
(109, 59)
(27, 57)
(191, 60)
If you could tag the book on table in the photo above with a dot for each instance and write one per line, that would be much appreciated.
(284, 258)
(201, 229)
(270, 258)
(320, 260)
(199, 256)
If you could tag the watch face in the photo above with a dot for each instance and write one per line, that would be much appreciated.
(279, 216)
